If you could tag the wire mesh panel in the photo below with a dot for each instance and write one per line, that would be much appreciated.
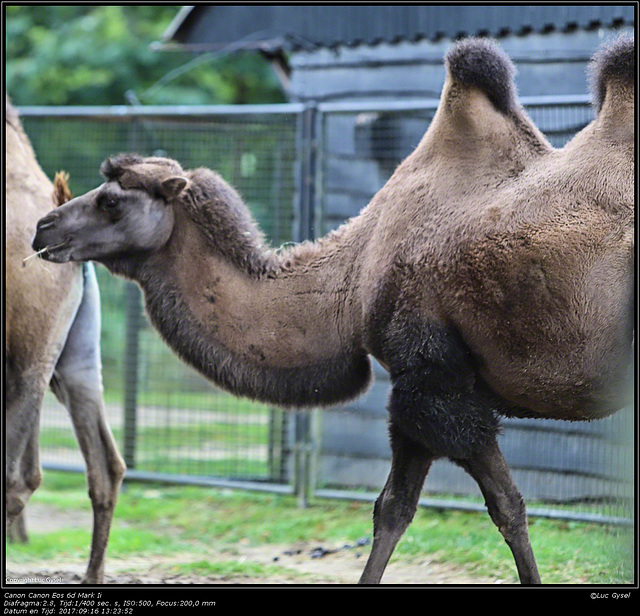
(559, 120)
(360, 149)
(167, 418)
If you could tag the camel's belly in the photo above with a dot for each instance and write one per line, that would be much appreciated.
(572, 383)
(552, 331)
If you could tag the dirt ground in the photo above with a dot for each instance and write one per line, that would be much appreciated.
(300, 564)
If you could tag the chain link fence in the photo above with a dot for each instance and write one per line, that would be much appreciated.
(167, 419)
(302, 170)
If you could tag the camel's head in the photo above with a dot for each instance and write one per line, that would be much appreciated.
(130, 213)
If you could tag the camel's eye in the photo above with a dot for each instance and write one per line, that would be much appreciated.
(107, 203)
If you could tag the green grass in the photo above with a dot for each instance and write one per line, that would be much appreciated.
(154, 520)
(192, 435)
(166, 448)
(173, 395)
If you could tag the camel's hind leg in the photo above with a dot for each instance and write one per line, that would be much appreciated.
(397, 503)
(77, 383)
(505, 505)
(22, 429)
(17, 531)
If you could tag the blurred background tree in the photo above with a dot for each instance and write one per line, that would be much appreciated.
(93, 55)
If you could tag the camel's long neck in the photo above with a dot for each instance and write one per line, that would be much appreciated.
(283, 329)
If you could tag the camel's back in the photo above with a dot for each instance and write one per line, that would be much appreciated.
(41, 299)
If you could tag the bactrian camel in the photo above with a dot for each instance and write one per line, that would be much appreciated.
(52, 337)
(491, 276)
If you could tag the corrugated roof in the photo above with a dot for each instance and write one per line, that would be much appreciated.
(211, 27)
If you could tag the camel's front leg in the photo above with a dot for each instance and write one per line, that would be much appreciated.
(397, 502)
(104, 466)
(77, 383)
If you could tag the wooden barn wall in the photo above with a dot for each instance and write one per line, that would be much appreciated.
(553, 63)
(547, 65)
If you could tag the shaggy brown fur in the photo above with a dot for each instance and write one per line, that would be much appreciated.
(491, 275)
(61, 192)
(51, 336)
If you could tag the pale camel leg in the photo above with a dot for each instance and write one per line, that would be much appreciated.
(77, 383)
(104, 469)
(22, 462)
(17, 531)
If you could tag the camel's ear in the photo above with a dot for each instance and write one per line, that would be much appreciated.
(173, 186)
(61, 192)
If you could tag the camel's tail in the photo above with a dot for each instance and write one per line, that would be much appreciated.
(61, 192)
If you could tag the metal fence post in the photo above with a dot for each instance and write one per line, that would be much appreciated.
(303, 447)
(133, 312)
(308, 155)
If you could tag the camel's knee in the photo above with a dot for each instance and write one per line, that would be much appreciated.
(26, 482)
(104, 483)
(118, 469)
(509, 513)
(396, 506)
(392, 513)
(18, 491)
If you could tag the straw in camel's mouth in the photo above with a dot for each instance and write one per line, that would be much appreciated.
(48, 253)
(57, 253)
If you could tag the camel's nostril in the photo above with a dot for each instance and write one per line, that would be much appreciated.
(46, 222)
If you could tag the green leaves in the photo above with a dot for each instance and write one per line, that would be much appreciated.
(91, 55)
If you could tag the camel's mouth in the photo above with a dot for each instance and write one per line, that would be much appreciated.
(56, 253)
(49, 242)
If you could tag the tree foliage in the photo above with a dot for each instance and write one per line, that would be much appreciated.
(94, 55)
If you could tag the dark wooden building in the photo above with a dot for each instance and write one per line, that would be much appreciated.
(369, 55)
(347, 52)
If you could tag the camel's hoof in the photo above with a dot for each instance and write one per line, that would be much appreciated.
(17, 531)
(92, 579)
